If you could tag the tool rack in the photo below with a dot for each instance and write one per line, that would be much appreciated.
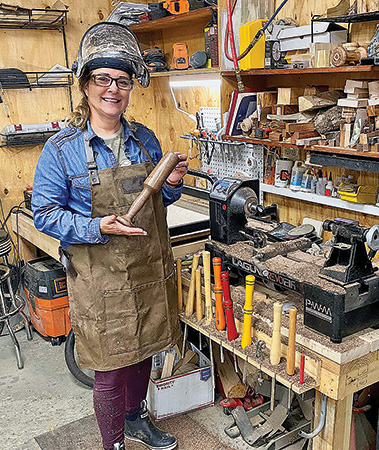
(333, 370)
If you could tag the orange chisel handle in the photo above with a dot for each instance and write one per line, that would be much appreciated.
(179, 283)
(291, 341)
(228, 306)
(220, 318)
(248, 311)
(275, 351)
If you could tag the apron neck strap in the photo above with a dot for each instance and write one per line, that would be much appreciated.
(91, 163)
(133, 129)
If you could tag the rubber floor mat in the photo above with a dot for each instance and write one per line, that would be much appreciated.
(83, 434)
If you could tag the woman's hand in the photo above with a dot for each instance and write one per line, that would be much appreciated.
(109, 225)
(176, 176)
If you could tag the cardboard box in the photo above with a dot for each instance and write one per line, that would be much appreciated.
(182, 393)
(297, 38)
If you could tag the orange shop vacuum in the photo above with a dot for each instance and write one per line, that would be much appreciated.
(45, 288)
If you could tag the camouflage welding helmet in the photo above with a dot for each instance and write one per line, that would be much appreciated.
(110, 44)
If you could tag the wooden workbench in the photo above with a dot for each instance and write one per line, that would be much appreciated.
(336, 370)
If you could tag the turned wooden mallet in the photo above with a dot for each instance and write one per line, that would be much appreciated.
(151, 185)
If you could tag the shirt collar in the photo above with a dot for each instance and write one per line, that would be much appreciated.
(128, 131)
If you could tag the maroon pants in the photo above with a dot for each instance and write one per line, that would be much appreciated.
(116, 393)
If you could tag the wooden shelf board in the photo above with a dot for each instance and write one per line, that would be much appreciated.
(171, 21)
(310, 70)
(266, 142)
(176, 73)
(343, 151)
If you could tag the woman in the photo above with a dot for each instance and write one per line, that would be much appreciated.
(121, 280)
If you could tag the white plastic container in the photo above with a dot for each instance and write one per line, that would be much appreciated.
(306, 181)
(282, 172)
(182, 393)
(297, 175)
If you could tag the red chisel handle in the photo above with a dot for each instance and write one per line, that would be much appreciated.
(228, 306)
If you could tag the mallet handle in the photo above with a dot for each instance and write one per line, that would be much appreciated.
(275, 351)
(207, 287)
(248, 311)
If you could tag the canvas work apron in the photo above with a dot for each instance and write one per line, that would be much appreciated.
(122, 302)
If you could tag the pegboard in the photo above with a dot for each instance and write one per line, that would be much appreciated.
(211, 117)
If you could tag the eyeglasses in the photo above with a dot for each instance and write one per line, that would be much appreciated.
(105, 81)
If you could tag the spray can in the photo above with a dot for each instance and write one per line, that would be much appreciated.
(329, 186)
(297, 175)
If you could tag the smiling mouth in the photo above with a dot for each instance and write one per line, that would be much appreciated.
(111, 100)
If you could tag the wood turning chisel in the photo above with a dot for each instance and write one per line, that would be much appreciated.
(191, 291)
(220, 318)
(207, 287)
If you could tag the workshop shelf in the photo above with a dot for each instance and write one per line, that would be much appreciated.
(177, 20)
(178, 73)
(373, 210)
(17, 17)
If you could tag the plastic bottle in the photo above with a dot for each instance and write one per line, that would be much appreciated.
(314, 183)
(306, 181)
(329, 186)
(297, 175)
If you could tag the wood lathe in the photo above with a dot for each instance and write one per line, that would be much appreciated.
(340, 293)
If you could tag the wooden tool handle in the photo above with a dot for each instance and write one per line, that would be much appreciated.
(179, 283)
(152, 184)
(291, 341)
(275, 351)
(199, 306)
(220, 318)
(248, 311)
(191, 291)
(207, 286)
(228, 306)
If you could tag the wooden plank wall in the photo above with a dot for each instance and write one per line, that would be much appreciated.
(35, 50)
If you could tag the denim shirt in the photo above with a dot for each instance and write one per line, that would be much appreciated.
(61, 199)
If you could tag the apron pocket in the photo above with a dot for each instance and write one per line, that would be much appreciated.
(154, 313)
(122, 321)
(124, 245)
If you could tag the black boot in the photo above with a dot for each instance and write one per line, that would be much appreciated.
(144, 431)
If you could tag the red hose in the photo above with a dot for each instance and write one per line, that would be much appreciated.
(230, 34)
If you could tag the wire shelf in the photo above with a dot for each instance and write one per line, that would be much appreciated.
(33, 80)
(16, 17)
(350, 18)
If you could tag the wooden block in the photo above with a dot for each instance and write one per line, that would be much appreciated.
(377, 123)
(374, 148)
(372, 110)
(363, 138)
(308, 141)
(285, 109)
(347, 130)
(374, 101)
(292, 127)
(363, 147)
(168, 365)
(322, 100)
(351, 85)
(373, 88)
(302, 134)
(358, 95)
(289, 96)
(190, 356)
(315, 90)
(268, 98)
(275, 136)
(353, 103)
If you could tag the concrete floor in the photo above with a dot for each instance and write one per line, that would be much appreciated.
(43, 396)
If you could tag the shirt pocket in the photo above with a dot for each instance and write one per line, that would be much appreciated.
(80, 188)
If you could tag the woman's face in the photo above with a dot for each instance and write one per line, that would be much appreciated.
(107, 102)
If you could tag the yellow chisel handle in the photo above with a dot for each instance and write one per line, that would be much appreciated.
(276, 344)
(248, 311)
